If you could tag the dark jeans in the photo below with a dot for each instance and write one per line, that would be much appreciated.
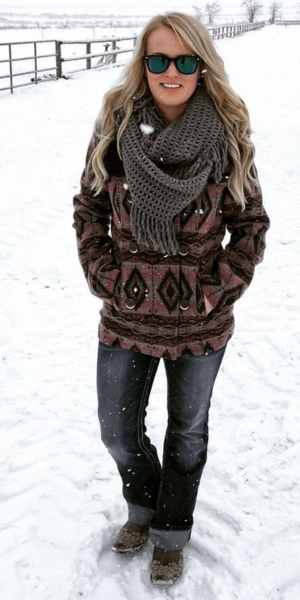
(163, 496)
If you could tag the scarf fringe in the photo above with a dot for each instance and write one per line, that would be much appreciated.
(219, 156)
(154, 231)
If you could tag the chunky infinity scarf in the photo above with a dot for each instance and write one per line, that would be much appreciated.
(168, 165)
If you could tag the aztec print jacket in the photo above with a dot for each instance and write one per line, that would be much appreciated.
(159, 304)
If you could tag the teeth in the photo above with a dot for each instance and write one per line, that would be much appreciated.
(171, 85)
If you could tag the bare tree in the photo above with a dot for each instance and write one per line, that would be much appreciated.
(212, 10)
(199, 12)
(274, 11)
(253, 8)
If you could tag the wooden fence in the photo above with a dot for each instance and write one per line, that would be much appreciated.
(287, 22)
(58, 60)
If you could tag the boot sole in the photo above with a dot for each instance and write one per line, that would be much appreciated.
(126, 550)
(164, 581)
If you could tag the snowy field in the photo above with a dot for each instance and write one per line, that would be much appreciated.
(61, 501)
(59, 33)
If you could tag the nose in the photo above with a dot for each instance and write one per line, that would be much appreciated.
(171, 70)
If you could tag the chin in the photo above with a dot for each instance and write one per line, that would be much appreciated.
(168, 100)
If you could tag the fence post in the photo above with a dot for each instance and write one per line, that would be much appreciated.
(35, 62)
(10, 70)
(88, 51)
(113, 47)
(58, 59)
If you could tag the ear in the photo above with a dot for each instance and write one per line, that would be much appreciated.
(202, 69)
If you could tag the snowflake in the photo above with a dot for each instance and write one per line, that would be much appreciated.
(147, 129)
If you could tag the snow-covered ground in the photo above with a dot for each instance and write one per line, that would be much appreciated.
(61, 501)
(71, 33)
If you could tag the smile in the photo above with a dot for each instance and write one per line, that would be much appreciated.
(170, 85)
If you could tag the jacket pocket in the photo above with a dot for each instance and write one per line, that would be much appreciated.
(136, 295)
(215, 286)
(104, 281)
(212, 297)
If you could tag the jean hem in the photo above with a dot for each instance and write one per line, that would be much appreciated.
(140, 514)
(169, 539)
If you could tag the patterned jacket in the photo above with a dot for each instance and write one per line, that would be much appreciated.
(159, 304)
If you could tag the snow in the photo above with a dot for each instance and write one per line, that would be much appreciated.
(146, 129)
(61, 499)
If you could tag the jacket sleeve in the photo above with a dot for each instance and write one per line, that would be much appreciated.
(91, 220)
(235, 265)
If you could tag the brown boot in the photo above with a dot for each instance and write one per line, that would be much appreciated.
(131, 537)
(166, 566)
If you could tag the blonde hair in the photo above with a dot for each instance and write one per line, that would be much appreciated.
(231, 108)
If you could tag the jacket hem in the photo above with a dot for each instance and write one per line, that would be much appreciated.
(197, 343)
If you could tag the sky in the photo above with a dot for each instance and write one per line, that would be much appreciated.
(131, 6)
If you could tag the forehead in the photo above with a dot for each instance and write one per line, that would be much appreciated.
(163, 39)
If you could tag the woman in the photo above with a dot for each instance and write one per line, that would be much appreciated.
(170, 164)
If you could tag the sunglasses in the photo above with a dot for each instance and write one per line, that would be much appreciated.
(159, 63)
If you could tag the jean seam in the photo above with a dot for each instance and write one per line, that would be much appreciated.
(141, 410)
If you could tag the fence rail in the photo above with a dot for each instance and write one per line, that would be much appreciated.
(108, 57)
(295, 22)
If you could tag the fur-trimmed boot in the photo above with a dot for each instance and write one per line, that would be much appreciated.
(131, 537)
(166, 566)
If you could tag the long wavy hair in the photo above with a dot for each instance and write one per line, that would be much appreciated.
(231, 108)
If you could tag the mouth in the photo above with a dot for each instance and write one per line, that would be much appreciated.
(171, 86)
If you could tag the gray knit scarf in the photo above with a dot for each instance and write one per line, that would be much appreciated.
(168, 165)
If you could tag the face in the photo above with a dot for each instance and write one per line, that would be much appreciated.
(171, 102)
